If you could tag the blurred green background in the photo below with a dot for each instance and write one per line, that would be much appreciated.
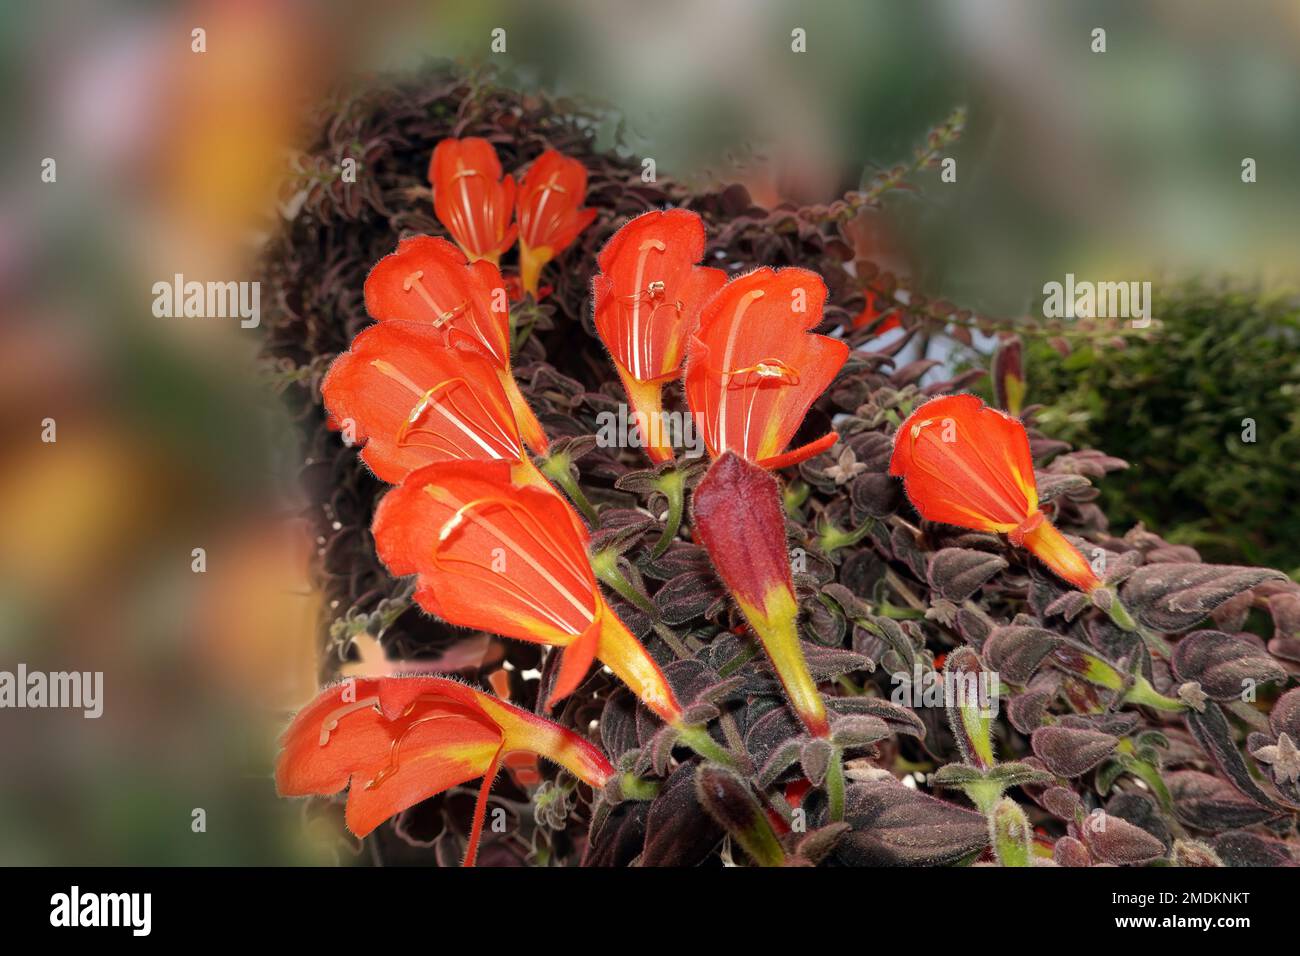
(1206, 412)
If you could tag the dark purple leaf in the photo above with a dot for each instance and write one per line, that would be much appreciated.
(1016, 651)
(1209, 803)
(1069, 752)
(1224, 665)
(677, 831)
(957, 573)
(896, 826)
(1211, 730)
(1173, 597)
(1240, 848)
(1070, 852)
(1115, 840)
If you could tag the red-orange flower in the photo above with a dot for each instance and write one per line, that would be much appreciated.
(738, 516)
(968, 465)
(414, 399)
(511, 559)
(398, 740)
(753, 370)
(872, 310)
(547, 209)
(427, 280)
(471, 199)
(648, 296)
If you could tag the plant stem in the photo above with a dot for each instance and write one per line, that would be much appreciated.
(672, 640)
(835, 786)
(1120, 615)
(906, 593)
(739, 661)
(636, 788)
(697, 737)
(605, 564)
(672, 485)
(558, 468)
(1143, 693)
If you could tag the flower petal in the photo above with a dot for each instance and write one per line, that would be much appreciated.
(413, 400)
(396, 741)
(966, 464)
(738, 516)
(472, 201)
(650, 291)
(490, 554)
(436, 743)
(428, 280)
(547, 202)
(753, 371)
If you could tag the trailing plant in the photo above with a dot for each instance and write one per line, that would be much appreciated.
(874, 623)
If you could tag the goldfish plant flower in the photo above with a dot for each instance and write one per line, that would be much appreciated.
(428, 280)
(395, 741)
(412, 399)
(739, 519)
(548, 213)
(965, 464)
(509, 558)
(753, 369)
(472, 201)
(648, 295)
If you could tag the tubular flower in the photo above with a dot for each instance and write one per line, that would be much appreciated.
(968, 465)
(753, 371)
(413, 399)
(400, 740)
(548, 213)
(427, 280)
(872, 310)
(472, 201)
(511, 559)
(648, 296)
(740, 521)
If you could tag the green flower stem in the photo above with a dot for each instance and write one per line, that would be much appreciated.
(850, 689)
(793, 497)
(558, 467)
(903, 591)
(1144, 694)
(672, 640)
(1010, 834)
(638, 788)
(830, 538)
(1151, 777)
(672, 485)
(761, 843)
(1120, 615)
(740, 660)
(605, 564)
(984, 794)
(835, 786)
(896, 613)
(697, 737)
